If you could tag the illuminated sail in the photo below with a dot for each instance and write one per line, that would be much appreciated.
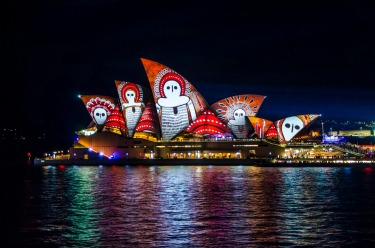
(234, 110)
(260, 125)
(289, 127)
(208, 123)
(272, 132)
(104, 110)
(115, 122)
(149, 122)
(132, 99)
(177, 101)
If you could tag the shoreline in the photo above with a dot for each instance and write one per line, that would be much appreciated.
(261, 162)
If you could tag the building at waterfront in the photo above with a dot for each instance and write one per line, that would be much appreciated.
(171, 119)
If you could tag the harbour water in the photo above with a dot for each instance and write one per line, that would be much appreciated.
(187, 206)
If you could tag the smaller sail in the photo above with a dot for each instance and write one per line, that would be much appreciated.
(289, 127)
(260, 125)
(132, 99)
(207, 124)
(115, 122)
(148, 122)
(99, 108)
(234, 110)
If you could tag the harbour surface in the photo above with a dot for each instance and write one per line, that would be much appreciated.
(187, 206)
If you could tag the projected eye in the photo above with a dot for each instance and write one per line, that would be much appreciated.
(168, 87)
(287, 125)
(297, 127)
(236, 114)
(175, 87)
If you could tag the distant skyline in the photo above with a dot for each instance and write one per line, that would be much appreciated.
(312, 58)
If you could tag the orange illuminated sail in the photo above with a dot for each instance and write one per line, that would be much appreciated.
(260, 125)
(234, 110)
(104, 110)
(177, 101)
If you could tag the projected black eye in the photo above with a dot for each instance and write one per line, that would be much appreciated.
(168, 87)
(297, 127)
(175, 87)
(287, 125)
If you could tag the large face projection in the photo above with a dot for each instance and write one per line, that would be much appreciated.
(177, 102)
(289, 127)
(234, 112)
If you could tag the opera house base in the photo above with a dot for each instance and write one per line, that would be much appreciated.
(261, 162)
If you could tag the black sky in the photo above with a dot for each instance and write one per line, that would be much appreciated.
(308, 57)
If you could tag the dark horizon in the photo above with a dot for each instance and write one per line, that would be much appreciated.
(307, 58)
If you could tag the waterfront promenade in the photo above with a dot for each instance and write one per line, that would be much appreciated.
(297, 162)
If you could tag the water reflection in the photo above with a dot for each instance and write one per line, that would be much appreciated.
(197, 206)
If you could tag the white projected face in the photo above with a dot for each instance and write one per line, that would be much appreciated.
(291, 126)
(130, 96)
(100, 116)
(172, 89)
(239, 117)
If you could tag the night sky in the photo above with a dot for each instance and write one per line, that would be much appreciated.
(316, 58)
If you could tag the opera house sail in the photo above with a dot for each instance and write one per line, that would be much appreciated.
(233, 111)
(177, 101)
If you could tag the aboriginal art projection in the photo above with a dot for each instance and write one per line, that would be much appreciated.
(131, 97)
(149, 122)
(289, 127)
(177, 101)
(260, 125)
(105, 112)
(208, 124)
(233, 111)
(172, 107)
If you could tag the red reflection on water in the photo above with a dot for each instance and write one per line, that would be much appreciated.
(368, 169)
(61, 166)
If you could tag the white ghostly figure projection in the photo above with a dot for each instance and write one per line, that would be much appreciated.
(100, 116)
(174, 107)
(291, 126)
(238, 124)
(132, 106)
(100, 108)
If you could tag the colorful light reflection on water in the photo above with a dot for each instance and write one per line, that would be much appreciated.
(195, 206)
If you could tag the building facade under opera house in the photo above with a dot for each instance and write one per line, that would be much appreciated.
(171, 119)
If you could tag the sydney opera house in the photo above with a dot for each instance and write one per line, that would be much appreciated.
(171, 119)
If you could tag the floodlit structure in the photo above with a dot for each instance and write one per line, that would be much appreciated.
(171, 119)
